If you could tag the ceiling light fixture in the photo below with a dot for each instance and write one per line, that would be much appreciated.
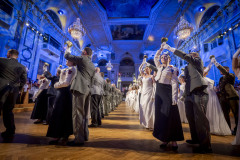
(183, 29)
(76, 30)
(201, 9)
(60, 12)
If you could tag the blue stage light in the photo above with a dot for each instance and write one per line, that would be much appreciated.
(60, 12)
(201, 9)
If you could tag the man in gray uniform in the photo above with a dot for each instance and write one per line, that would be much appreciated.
(107, 96)
(196, 99)
(96, 96)
(13, 76)
(81, 93)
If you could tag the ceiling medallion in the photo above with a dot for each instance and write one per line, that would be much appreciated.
(183, 29)
(76, 30)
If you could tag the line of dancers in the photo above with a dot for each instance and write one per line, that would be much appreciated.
(164, 99)
(65, 102)
(81, 94)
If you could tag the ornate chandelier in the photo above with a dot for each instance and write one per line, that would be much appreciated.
(76, 30)
(109, 66)
(183, 29)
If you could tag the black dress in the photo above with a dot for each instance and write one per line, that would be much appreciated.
(60, 124)
(41, 106)
(167, 125)
(51, 92)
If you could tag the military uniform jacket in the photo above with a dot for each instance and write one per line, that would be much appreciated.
(85, 72)
(66, 77)
(107, 89)
(12, 73)
(97, 85)
(167, 75)
(193, 73)
(226, 84)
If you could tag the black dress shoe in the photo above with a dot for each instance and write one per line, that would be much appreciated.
(163, 145)
(7, 135)
(192, 142)
(74, 144)
(37, 122)
(174, 148)
(92, 126)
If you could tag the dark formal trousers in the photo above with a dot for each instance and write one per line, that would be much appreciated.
(106, 105)
(196, 114)
(95, 109)
(228, 104)
(7, 101)
(80, 105)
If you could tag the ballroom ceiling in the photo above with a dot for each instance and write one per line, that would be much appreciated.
(128, 8)
(133, 26)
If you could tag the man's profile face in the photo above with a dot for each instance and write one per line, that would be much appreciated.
(8, 55)
(84, 52)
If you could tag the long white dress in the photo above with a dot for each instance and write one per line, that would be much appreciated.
(181, 104)
(237, 138)
(217, 122)
(146, 113)
(136, 108)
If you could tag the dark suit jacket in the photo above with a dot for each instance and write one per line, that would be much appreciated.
(12, 72)
(54, 79)
(193, 73)
(85, 72)
(226, 84)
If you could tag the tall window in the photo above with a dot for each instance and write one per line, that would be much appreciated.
(55, 18)
(6, 6)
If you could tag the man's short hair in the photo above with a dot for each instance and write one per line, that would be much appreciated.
(88, 50)
(226, 67)
(13, 52)
(108, 80)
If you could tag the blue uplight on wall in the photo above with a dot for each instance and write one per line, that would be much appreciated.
(201, 9)
(60, 12)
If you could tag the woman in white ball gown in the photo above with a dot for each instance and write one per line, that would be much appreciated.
(180, 103)
(217, 122)
(146, 110)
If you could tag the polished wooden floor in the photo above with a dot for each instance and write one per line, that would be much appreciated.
(120, 137)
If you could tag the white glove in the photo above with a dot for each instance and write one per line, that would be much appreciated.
(214, 61)
(174, 102)
(164, 45)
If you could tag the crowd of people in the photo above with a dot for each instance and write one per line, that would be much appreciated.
(65, 102)
(164, 99)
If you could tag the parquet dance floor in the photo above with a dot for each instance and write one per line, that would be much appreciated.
(120, 137)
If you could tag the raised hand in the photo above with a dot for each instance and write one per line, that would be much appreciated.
(69, 44)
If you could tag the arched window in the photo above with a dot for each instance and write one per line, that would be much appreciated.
(208, 14)
(102, 62)
(126, 62)
(55, 18)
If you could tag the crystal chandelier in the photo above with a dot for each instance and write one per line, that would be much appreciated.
(183, 29)
(109, 66)
(76, 30)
